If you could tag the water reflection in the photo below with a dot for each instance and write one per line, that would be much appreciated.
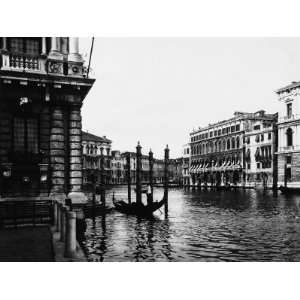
(245, 225)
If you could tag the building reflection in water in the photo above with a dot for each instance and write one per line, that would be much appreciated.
(248, 225)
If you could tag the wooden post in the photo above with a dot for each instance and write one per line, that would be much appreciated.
(138, 174)
(151, 174)
(275, 157)
(102, 177)
(166, 179)
(128, 177)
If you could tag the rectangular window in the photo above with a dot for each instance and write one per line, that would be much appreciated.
(32, 47)
(237, 127)
(232, 128)
(289, 110)
(262, 138)
(219, 132)
(248, 166)
(19, 135)
(269, 135)
(215, 133)
(288, 174)
(16, 45)
(288, 159)
(32, 136)
(258, 165)
(256, 127)
(211, 134)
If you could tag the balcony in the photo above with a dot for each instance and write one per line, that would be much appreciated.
(288, 118)
(289, 148)
(23, 63)
(40, 65)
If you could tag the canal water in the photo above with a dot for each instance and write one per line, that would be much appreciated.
(243, 225)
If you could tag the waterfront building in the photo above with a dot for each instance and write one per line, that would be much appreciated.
(218, 150)
(260, 148)
(186, 164)
(158, 170)
(145, 166)
(118, 175)
(175, 170)
(92, 147)
(43, 83)
(289, 136)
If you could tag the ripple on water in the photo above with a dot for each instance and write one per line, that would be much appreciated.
(201, 226)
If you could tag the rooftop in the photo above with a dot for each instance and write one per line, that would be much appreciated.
(88, 137)
(290, 86)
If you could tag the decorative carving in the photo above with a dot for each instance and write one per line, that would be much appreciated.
(75, 69)
(55, 67)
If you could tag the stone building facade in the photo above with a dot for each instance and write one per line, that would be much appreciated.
(43, 83)
(186, 164)
(118, 175)
(260, 148)
(289, 136)
(218, 150)
(92, 147)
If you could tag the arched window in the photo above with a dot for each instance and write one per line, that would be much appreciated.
(224, 145)
(289, 137)
(228, 144)
(238, 142)
(219, 146)
(233, 143)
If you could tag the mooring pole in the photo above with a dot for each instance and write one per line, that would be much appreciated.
(138, 173)
(128, 177)
(102, 176)
(151, 175)
(166, 179)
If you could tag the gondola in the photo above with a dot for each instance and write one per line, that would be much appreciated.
(138, 209)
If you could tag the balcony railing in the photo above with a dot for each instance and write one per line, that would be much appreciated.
(288, 118)
(21, 62)
(24, 62)
(289, 148)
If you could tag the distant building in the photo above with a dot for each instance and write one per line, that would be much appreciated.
(92, 145)
(218, 150)
(145, 166)
(118, 175)
(186, 164)
(289, 136)
(175, 170)
(43, 83)
(260, 148)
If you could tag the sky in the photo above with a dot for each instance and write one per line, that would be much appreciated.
(156, 90)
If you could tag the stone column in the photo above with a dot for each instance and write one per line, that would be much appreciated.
(4, 43)
(57, 154)
(43, 45)
(75, 156)
(54, 51)
(74, 50)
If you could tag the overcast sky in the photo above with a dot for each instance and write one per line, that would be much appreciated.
(156, 90)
